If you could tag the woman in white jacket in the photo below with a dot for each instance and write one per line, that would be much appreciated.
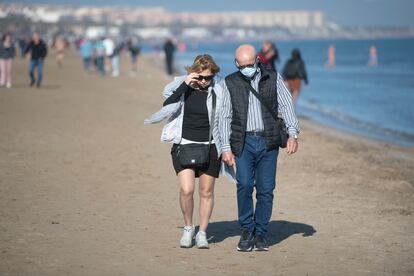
(188, 108)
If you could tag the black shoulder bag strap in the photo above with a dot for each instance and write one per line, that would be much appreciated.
(279, 121)
(274, 115)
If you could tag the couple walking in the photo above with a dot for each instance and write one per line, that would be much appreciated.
(237, 129)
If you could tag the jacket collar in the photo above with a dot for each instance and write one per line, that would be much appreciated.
(263, 71)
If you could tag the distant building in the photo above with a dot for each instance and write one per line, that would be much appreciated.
(287, 19)
(159, 16)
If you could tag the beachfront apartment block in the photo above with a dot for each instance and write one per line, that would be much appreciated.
(159, 16)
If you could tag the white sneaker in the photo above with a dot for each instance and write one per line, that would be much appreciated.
(187, 237)
(8, 85)
(201, 240)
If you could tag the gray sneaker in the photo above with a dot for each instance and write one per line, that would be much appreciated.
(187, 237)
(201, 240)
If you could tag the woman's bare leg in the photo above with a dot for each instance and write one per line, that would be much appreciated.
(186, 179)
(206, 192)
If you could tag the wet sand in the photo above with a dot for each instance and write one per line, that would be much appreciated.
(87, 189)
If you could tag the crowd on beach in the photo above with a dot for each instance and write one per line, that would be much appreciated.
(101, 54)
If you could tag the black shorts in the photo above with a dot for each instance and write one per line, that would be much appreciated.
(212, 169)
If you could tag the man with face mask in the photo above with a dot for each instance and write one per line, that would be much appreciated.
(250, 142)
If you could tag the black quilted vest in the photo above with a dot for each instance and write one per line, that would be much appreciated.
(239, 93)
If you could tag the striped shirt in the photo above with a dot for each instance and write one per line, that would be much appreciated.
(254, 121)
(254, 114)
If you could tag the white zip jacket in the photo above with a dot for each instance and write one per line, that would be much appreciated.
(174, 113)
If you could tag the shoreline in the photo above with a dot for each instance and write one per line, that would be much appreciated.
(347, 136)
(330, 122)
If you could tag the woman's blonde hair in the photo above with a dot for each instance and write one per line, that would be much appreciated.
(203, 62)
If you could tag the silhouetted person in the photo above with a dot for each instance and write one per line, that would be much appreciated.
(60, 44)
(134, 49)
(373, 57)
(169, 49)
(331, 57)
(22, 45)
(38, 52)
(86, 51)
(269, 55)
(293, 73)
(99, 54)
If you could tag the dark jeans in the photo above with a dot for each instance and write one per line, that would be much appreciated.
(100, 65)
(36, 63)
(256, 167)
(87, 62)
(169, 63)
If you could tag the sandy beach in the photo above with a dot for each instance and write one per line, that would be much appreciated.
(87, 189)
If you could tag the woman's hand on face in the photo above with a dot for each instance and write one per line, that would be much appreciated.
(192, 77)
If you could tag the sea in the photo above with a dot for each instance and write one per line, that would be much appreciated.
(374, 102)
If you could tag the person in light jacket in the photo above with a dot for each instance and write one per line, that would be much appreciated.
(188, 108)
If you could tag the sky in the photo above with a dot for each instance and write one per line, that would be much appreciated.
(342, 12)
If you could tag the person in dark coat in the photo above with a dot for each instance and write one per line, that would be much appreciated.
(250, 137)
(293, 73)
(38, 51)
(169, 49)
(134, 50)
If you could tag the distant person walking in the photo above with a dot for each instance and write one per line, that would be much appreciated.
(86, 51)
(115, 58)
(99, 54)
(373, 57)
(169, 49)
(182, 47)
(38, 51)
(331, 57)
(22, 42)
(109, 45)
(60, 46)
(269, 55)
(293, 73)
(7, 54)
(134, 51)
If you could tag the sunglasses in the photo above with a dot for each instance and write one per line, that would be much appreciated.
(206, 78)
(245, 66)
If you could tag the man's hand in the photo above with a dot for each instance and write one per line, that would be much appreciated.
(292, 145)
(228, 158)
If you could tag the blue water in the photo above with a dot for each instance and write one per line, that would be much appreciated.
(376, 102)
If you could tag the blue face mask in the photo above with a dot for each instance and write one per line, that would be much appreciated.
(249, 71)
